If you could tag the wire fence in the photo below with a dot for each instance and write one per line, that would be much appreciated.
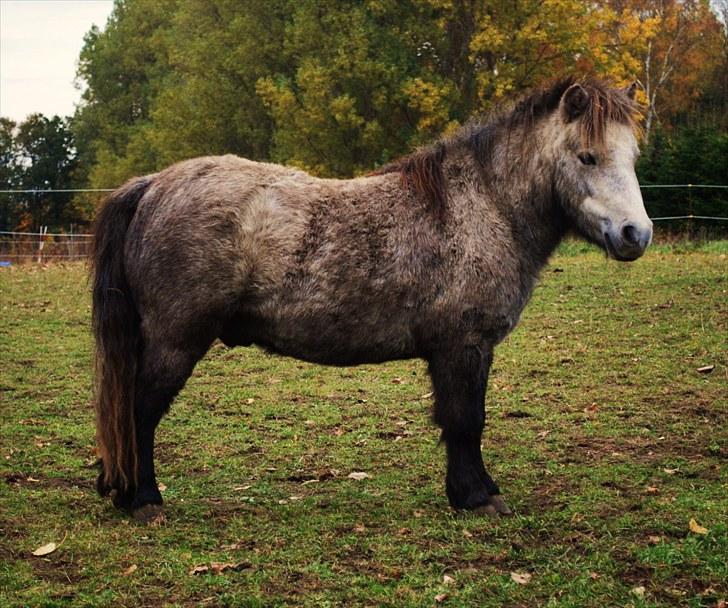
(43, 246)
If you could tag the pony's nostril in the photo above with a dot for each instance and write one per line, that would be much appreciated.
(630, 234)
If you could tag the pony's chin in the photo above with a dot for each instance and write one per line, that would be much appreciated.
(620, 256)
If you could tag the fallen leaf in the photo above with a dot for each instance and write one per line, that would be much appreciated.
(440, 597)
(696, 528)
(358, 475)
(522, 578)
(670, 471)
(249, 401)
(359, 528)
(220, 567)
(162, 487)
(638, 591)
(199, 570)
(45, 549)
(447, 580)
(130, 570)
(653, 539)
(427, 395)
(652, 490)
(706, 369)
(397, 380)
(593, 575)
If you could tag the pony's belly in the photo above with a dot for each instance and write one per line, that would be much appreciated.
(327, 339)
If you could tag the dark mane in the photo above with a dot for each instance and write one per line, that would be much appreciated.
(422, 170)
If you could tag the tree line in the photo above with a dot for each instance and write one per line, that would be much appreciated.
(339, 87)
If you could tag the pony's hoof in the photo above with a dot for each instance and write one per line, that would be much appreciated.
(150, 515)
(500, 505)
(488, 510)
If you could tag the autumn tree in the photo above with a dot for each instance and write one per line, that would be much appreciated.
(339, 87)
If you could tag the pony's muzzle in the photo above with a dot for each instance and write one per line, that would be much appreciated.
(629, 241)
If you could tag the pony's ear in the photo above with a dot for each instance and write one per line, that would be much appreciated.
(631, 90)
(574, 102)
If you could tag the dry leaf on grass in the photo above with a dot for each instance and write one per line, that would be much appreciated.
(358, 475)
(130, 570)
(522, 578)
(448, 580)
(706, 369)
(696, 528)
(220, 567)
(199, 569)
(45, 549)
(440, 597)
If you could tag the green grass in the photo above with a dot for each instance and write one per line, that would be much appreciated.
(603, 435)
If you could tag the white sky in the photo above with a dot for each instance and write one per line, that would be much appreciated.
(40, 41)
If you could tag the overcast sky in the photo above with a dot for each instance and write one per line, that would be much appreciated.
(39, 45)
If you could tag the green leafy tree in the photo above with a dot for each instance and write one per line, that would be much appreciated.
(209, 105)
(37, 154)
(123, 69)
(8, 172)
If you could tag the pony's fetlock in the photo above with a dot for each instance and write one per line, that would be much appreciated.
(146, 496)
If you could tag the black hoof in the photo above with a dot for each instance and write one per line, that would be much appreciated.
(465, 498)
(496, 506)
(103, 488)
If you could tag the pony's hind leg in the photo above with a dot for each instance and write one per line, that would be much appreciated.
(459, 379)
(165, 367)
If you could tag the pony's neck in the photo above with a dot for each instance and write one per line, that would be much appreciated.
(519, 185)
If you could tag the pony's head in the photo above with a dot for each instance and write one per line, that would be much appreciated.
(595, 149)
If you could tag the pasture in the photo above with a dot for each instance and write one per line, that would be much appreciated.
(602, 433)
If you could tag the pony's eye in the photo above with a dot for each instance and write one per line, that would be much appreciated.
(587, 158)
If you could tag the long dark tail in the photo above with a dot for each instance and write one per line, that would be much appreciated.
(118, 339)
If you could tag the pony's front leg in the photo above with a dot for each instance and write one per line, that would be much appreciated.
(459, 378)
